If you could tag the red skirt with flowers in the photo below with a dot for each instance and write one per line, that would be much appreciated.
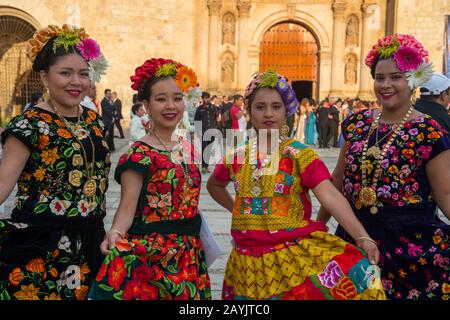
(154, 267)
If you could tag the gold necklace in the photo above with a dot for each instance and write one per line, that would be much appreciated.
(375, 151)
(257, 173)
(187, 179)
(90, 186)
(367, 195)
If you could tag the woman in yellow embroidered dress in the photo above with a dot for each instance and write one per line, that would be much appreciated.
(278, 251)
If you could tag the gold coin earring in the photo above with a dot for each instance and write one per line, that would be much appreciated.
(46, 94)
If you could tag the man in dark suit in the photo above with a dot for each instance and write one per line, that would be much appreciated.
(334, 123)
(323, 124)
(117, 111)
(108, 118)
(206, 114)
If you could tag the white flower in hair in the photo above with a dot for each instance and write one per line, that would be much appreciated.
(420, 76)
(97, 68)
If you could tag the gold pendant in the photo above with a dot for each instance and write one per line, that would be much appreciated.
(186, 184)
(185, 193)
(256, 190)
(256, 174)
(89, 188)
(375, 152)
(368, 197)
(374, 210)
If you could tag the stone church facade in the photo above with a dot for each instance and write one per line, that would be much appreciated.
(319, 44)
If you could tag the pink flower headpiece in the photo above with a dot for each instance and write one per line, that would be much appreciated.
(409, 56)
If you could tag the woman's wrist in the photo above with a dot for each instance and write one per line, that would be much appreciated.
(114, 230)
(360, 239)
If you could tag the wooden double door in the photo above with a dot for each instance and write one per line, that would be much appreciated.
(292, 50)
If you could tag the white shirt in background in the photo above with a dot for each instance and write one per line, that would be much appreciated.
(242, 123)
(137, 129)
(87, 102)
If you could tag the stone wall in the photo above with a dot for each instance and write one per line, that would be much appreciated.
(129, 32)
(425, 20)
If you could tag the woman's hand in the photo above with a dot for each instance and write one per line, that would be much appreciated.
(111, 237)
(369, 246)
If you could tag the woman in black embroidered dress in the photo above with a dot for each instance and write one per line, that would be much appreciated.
(49, 248)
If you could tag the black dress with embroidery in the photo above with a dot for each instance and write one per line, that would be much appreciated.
(49, 248)
(414, 243)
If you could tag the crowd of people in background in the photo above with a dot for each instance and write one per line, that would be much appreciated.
(391, 176)
(316, 124)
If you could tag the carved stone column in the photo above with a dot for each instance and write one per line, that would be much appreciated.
(243, 73)
(365, 85)
(214, 7)
(337, 64)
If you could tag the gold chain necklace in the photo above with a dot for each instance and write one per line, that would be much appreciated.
(367, 195)
(257, 173)
(187, 179)
(375, 151)
(90, 186)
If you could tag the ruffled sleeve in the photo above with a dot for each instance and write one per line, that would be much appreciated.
(353, 122)
(137, 159)
(346, 128)
(441, 143)
(311, 168)
(25, 128)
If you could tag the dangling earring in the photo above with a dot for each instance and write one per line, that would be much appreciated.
(46, 94)
(284, 132)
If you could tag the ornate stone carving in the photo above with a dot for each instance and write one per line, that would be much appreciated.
(338, 9)
(352, 31)
(228, 28)
(214, 7)
(350, 69)
(227, 68)
(244, 8)
(373, 17)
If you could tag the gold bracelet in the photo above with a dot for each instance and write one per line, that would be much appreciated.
(116, 231)
(368, 239)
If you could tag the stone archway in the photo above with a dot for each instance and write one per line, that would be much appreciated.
(17, 78)
(291, 49)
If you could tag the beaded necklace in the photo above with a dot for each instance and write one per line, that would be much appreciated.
(367, 195)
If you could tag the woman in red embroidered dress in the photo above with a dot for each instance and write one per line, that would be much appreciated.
(153, 248)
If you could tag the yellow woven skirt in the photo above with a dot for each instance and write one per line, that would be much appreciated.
(318, 267)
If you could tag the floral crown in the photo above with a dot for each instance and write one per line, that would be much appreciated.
(185, 77)
(69, 36)
(271, 79)
(409, 56)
